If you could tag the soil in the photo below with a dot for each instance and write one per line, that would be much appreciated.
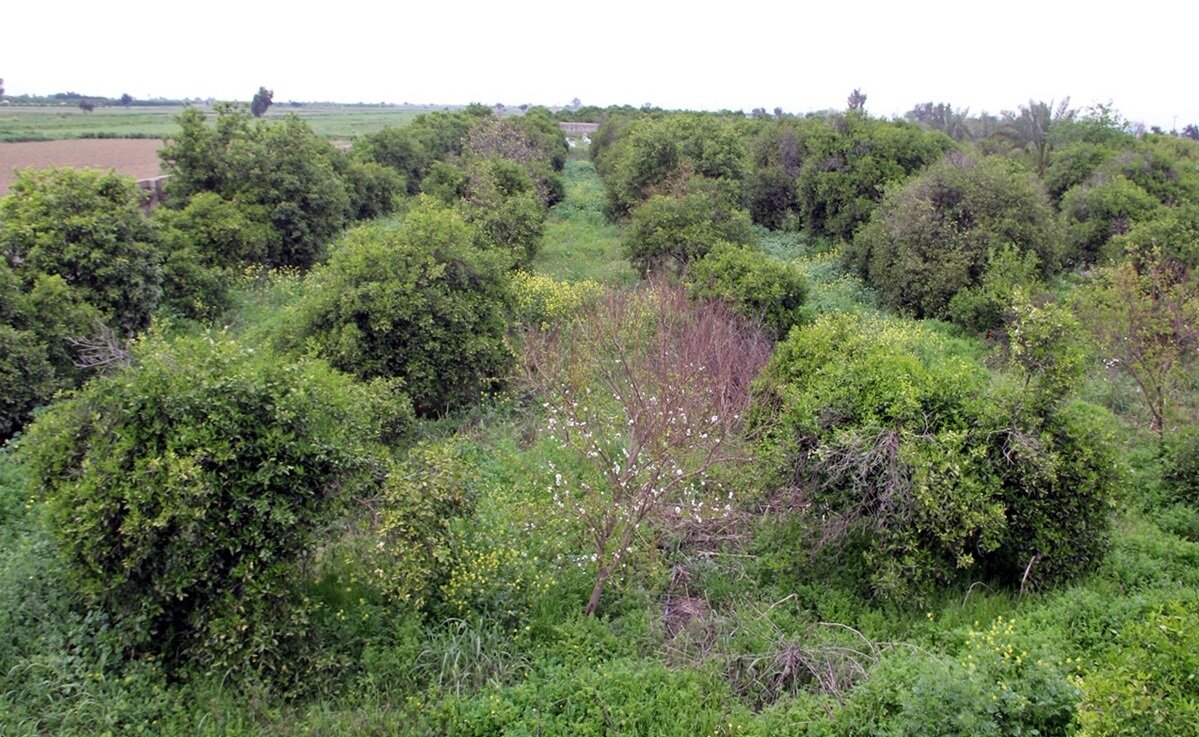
(136, 157)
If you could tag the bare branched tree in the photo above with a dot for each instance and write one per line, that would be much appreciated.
(103, 350)
(648, 389)
(1144, 315)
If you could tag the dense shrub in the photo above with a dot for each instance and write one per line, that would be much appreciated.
(421, 303)
(1073, 165)
(849, 161)
(1172, 231)
(1181, 473)
(657, 155)
(412, 149)
(26, 378)
(185, 491)
(892, 433)
(373, 188)
(500, 199)
(667, 232)
(757, 286)
(87, 228)
(937, 234)
(284, 168)
(776, 157)
(1095, 212)
(983, 308)
(878, 421)
(417, 504)
(509, 140)
(223, 233)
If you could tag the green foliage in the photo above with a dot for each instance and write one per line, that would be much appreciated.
(192, 289)
(223, 233)
(509, 140)
(185, 492)
(776, 156)
(1073, 165)
(1171, 231)
(26, 378)
(1146, 684)
(445, 182)
(1059, 474)
(374, 189)
(1093, 213)
(983, 308)
(417, 503)
(624, 696)
(1181, 473)
(938, 234)
(412, 149)
(58, 313)
(283, 168)
(1169, 172)
(420, 303)
(1045, 342)
(668, 232)
(1000, 684)
(892, 433)
(848, 163)
(86, 227)
(757, 286)
(501, 200)
(878, 419)
(657, 155)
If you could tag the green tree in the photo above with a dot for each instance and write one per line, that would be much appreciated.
(1031, 129)
(283, 168)
(1097, 211)
(186, 492)
(938, 234)
(658, 155)
(261, 102)
(848, 163)
(920, 471)
(86, 227)
(668, 232)
(755, 285)
(422, 304)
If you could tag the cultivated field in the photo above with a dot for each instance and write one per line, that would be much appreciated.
(134, 157)
(48, 123)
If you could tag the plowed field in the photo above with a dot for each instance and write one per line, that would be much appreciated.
(136, 157)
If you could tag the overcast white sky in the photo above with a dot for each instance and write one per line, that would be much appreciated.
(739, 55)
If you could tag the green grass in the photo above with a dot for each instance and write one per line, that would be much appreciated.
(46, 123)
(580, 242)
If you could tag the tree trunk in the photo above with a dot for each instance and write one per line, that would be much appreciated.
(600, 579)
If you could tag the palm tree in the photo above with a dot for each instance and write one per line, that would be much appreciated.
(943, 117)
(1030, 129)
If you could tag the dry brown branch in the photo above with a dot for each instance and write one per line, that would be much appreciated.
(104, 350)
(649, 389)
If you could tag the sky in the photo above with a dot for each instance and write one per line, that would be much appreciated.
(740, 55)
